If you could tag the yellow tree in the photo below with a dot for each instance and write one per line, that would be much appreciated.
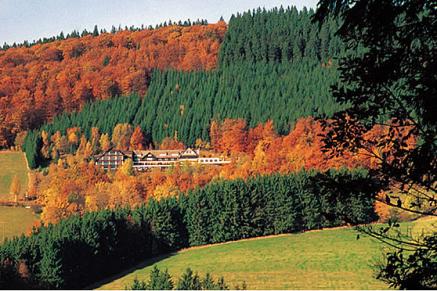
(98, 196)
(259, 161)
(56, 142)
(127, 191)
(60, 144)
(215, 134)
(105, 142)
(127, 168)
(54, 154)
(121, 136)
(200, 144)
(167, 189)
(82, 145)
(73, 135)
(15, 188)
(32, 188)
(88, 151)
(19, 140)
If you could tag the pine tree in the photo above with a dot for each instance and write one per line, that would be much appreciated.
(189, 281)
(50, 266)
(137, 285)
(159, 280)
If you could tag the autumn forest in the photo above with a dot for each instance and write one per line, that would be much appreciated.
(263, 91)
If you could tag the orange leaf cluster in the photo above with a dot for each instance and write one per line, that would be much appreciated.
(261, 151)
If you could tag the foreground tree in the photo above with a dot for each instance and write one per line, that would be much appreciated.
(390, 81)
(418, 270)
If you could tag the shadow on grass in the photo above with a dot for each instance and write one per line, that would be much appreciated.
(127, 271)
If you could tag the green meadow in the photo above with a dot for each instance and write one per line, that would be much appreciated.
(328, 259)
(324, 259)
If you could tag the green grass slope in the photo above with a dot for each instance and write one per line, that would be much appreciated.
(11, 164)
(14, 221)
(328, 259)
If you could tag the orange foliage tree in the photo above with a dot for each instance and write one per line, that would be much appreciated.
(137, 140)
(232, 136)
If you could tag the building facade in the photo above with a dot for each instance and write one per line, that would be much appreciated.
(112, 159)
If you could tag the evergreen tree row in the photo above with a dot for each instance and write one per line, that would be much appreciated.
(104, 114)
(81, 250)
(161, 280)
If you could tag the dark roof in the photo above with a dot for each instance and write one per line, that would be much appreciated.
(155, 153)
(124, 153)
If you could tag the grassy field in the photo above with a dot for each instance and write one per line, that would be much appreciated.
(15, 221)
(328, 259)
(11, 164)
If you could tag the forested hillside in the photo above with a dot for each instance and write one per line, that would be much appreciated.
(41, 81)
(273, 65)
(248, 84)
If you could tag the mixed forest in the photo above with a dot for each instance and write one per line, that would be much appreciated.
(182, 105)
(257, 111)
(263, 91)
(262, 107)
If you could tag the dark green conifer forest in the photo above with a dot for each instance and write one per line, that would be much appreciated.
(279, 35)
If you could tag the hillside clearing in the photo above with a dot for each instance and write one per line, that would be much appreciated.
(14, 221)
(11, 164)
